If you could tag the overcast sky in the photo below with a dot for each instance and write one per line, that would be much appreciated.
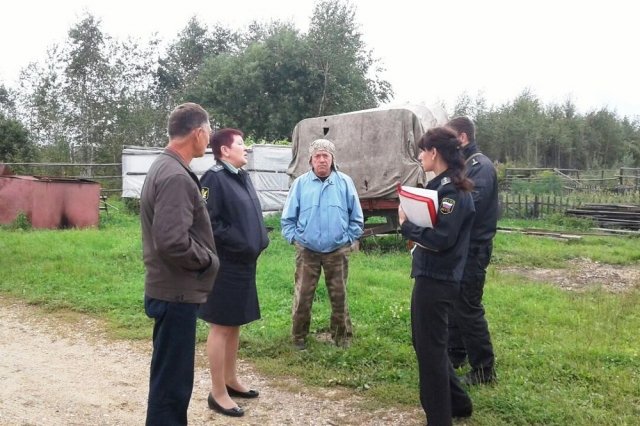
(433, 51)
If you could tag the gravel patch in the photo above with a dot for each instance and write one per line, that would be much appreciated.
(61, 369)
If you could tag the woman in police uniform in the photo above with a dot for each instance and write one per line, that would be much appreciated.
(240, 237)
(438, 261)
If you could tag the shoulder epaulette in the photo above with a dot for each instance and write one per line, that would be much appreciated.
(472, 160)
(217, 167)
(445, 180)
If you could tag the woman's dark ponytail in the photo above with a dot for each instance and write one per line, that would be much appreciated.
(445, 140)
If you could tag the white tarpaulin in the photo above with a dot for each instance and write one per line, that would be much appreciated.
(267, 167)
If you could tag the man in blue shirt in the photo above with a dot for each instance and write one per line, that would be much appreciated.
(323, 218)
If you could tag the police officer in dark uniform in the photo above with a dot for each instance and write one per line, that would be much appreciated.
(468, 329)
(438, 262)
(240, 236)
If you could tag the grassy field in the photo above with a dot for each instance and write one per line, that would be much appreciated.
(563, 358)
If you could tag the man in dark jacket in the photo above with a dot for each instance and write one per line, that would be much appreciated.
(180, 260)
(468, 329)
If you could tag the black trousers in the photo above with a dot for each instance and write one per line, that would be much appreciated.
(172, 362)
(468, 327)
(440, 390)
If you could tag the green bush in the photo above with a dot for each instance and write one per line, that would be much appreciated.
(21, 222)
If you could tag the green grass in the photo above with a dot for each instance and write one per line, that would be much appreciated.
(540, 251)
(562, 358)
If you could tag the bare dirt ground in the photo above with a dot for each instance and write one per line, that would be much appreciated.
(584, 275)
(61, 369)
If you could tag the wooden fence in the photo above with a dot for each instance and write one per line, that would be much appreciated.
(619, 180)
(537, 206)
(630, 178)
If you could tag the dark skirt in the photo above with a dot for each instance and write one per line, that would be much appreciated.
(234, 298)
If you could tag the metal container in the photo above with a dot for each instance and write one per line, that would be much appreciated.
(50, 202)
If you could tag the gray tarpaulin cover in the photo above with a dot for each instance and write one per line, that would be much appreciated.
(376, 147)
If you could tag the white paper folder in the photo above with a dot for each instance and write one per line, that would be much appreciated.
(419, 205)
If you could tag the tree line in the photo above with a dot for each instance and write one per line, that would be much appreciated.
(526, 133)
(92, 94)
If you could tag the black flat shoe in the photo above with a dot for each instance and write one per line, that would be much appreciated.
(248, 394)
(233, 412)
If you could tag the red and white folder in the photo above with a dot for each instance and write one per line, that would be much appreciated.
(419, 205)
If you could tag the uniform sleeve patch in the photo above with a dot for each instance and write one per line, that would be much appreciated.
(446, 206)
(205, 192)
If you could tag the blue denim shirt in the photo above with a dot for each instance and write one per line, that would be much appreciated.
(322, 216)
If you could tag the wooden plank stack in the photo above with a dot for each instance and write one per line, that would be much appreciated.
(618, 216)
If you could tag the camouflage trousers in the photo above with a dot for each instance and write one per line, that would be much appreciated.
(336, 269)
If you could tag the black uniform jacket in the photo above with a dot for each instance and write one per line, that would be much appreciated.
(441, 251)
(481, 171)
(236, 215)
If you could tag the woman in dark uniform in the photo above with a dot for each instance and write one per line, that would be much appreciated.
(240, 237)
(438, 261)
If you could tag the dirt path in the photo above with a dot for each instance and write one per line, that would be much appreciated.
(60, 369)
